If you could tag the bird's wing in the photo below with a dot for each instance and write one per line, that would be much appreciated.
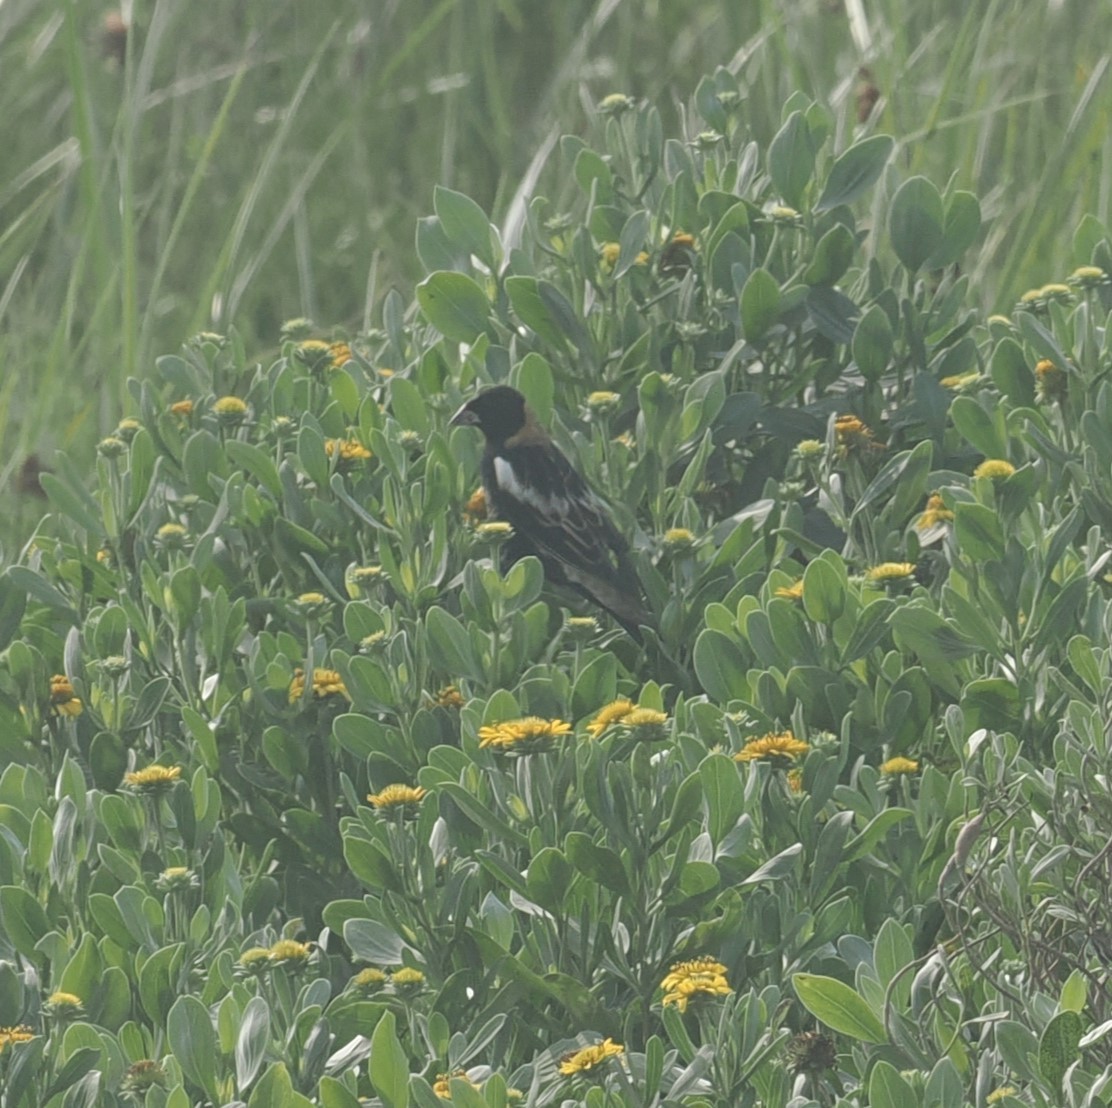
(537, 491)
(540, 493)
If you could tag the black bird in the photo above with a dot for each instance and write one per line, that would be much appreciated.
(531, 486)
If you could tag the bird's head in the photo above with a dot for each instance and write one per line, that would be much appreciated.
(499, 412)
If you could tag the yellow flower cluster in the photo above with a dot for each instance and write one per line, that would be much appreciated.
(890, 571)
(624, 713)
(528, 735)
(899, 765)
(326, 682)
(696, 979)
(935, 512)
(852, 436)
(348, 451)
(1051, 382)
(11, 1035)
(581, 1061)
(790, 592)
(397, 796)
(62, 698)
(775, 747)
(475, 510)
(443, 1086)
(153, 780)
(995, 469)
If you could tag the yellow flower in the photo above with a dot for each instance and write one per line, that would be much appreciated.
(348, 451)
(890, 571)
(369, 980)
(678, 538)
(397, 796)
(696, 979)
(314, 352)
(170, 536)
(794, 778)
(256, 959)
(476, 509)
(602, 402)
(341, 354)
(899, 765)
(528, 735)
(326, 682)
(935, 512)
(230, 410)
(783, 214)
(289, 952)
(153, 780)
(183, 408)
(959, 381)
(313, 604)
(610, 252)
(443, 1088)
(851, 435)
(64, 1006)
(644, 718)
(12, 1035)
(127, 429)
(994, 468)
(407, 980)
(495, 530)
(1056, 291)
(1051, 383)
(177, 879)
(1000, 1094)
(581, 1061)
(615, 104)
(790, 592)
(296, 329)
(776, 747)
(111, 447)
(1088, 276)
(612, 713)
(143, 1075)
(62, 699)
(582, 628)
(449, 697)
(810, 449)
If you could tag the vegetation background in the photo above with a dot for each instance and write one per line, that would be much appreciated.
(302, 801)
(271, 159)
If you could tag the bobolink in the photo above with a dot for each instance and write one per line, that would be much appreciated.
(555, 516)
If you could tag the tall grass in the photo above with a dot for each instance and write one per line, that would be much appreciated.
(246, 163)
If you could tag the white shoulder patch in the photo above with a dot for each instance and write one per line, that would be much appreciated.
(508, 483)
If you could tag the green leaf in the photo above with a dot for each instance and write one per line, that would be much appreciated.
(1058, 1047)
(979, 534)
(22, 920)
(465, 224)
(1074, 993)
(838, 1006)
(389, 1067)
(597, 863)
(961, 227)
(526, 302)
(791, 159)
(720, 666)
(872, 343)
(978, 428)
(454, 304)
(856, 170)
(875, 830)
(833, 256)
(275, 1089)
(548, 879)
(258, 463)
(887, 1089)
(760, 303)
(372, 941)
(916, 222)
(724, 794)
(193, 1041)
(251, 1041)
(824, 590)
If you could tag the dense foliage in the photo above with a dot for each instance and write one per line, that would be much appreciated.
(307, 803)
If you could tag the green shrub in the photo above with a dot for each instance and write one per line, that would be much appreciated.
(278, 825)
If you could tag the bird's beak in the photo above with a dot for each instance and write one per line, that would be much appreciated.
(465, 417)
